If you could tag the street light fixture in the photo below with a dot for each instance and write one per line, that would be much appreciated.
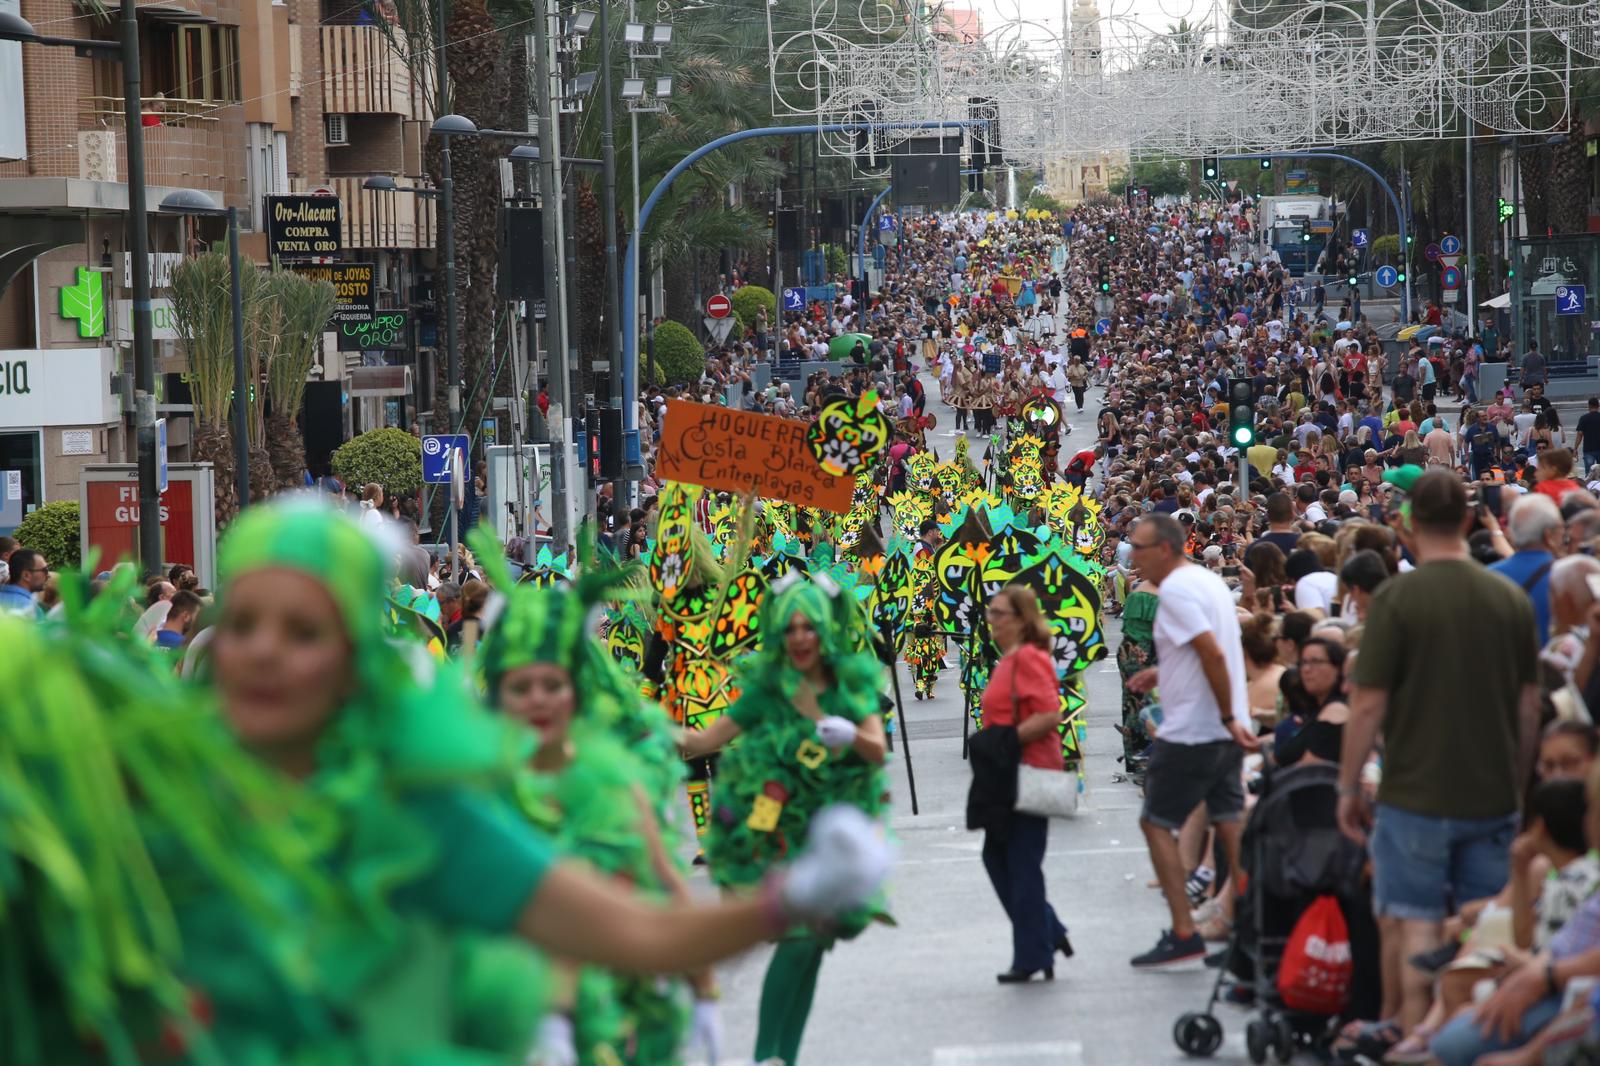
(524, 153)
(632, 88)
(664, 88)
(580, 24)
(661, 33)
(633, 32)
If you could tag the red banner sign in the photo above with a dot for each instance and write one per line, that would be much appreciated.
(113, 521)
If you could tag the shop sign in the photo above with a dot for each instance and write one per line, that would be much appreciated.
(85, 303)
(56, 387)
(163, 320)
(354, 288)
(388, 331)
(303, 227)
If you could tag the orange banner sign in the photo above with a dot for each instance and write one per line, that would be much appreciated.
(741, 451)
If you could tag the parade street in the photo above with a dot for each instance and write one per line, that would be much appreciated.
(924, 994)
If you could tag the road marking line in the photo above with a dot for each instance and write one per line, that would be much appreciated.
(1054, 1052)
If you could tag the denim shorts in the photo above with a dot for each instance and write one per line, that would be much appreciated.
(1425, 866)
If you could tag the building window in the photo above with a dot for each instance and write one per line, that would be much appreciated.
(189, 62)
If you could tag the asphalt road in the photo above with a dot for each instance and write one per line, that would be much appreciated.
(924, 993)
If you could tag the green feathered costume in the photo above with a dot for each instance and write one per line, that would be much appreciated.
(433, 867)
(122, 801)
(777, 775)
(621, 749)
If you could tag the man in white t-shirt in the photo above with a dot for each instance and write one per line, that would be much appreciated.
(1205, 722)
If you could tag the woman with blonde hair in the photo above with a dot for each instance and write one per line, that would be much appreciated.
(1022, 695)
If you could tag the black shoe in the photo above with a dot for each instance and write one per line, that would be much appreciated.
(1019, 977)
(1064, 945)
(1170, 951)
(700, 859)
(1431, 962)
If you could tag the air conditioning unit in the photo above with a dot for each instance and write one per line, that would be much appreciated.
(335, 131)
(97, 155)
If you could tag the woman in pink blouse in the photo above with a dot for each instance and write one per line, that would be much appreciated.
(1022, 693)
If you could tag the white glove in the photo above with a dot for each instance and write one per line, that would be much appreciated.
(554, 1046)
(705, 1030)
(845, 860)
(836, 732)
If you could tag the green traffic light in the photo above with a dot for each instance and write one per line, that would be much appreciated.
(1111, 238)
(1266, 164)
(1409, 238)
(1400, 276)
(1105, 286)
(1242, 435)
(1354, 280)
(1511, 271)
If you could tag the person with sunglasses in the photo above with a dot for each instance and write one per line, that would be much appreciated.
(1321, 681)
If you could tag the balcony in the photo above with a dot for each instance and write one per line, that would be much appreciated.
(364, 75)
(374, 219)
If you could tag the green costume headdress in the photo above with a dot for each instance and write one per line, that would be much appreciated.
(842, 630)
(550, 624)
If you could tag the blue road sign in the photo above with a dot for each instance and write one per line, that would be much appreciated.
(436, 449)
(1103, 326)
(1360, 238)
(1450, 244)
(1386, 277)
(1571, 299)
(885, 223)
(794, 299)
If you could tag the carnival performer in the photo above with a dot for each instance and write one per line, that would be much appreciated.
(811, 736)
(429, 857)
(1136, 652)
(605, 770)
(132, 825)
(680, 668)
(924, 649)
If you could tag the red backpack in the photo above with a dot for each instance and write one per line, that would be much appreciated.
(1317, 966)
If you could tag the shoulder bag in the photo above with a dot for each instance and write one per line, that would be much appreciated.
(1040, 791)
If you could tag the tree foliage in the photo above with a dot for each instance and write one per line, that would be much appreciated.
(390, 457)
(53, 529)
(749, 299)
(679, 355)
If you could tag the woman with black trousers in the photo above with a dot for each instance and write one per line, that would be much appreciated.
(1022, 693)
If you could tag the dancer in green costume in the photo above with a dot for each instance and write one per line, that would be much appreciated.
(429, 855)
(605, 770)
(122, 802)
(810, 735)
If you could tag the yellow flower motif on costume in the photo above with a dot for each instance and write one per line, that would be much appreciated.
(1012, 215)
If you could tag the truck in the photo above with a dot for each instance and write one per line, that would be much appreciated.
(1295, 229)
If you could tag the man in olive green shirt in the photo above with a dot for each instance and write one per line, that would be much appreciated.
(1447, 672)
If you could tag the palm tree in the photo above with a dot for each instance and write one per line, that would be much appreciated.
(293, 313)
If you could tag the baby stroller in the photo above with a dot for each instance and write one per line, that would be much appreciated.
(1293, 853)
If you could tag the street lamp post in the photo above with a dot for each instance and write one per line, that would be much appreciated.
(14, 27)
(447, 126)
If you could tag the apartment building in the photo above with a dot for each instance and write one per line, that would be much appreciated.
(240, 100)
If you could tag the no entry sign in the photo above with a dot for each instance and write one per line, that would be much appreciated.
(719, 306)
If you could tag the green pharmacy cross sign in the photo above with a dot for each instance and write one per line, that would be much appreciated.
(85, 302)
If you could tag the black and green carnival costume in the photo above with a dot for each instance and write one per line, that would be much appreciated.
(777, 775)
(419, 965)
(621, 752)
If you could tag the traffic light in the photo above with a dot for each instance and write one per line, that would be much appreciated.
(1211, 167)
(1511, 270)
(1355, 279)
(1504, 209)
(772, 219)
(1266, 164)
(1409, 238)
(1400, 277)
(1241, 414)
(1111, 238)
(1105, 277)
(1305, 236)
